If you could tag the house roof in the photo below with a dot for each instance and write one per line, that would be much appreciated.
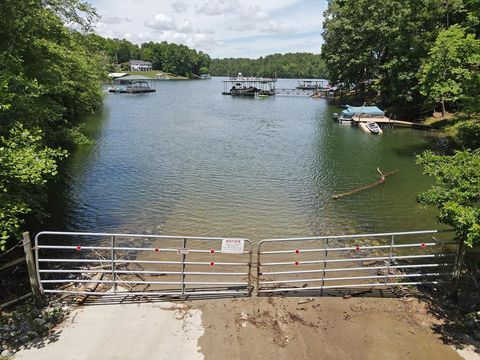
(371, 110)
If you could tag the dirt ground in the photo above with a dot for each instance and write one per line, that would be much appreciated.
(320, 328)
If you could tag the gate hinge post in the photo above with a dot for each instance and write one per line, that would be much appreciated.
(32, 272)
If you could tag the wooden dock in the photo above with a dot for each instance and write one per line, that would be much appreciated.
(388, 121)
(294, 92)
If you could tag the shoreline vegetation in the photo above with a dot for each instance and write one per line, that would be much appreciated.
(153, 74)
(286, 66)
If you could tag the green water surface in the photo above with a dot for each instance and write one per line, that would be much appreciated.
(187, 160)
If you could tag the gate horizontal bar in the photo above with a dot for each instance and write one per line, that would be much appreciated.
(59, 281)
(347, 248)
(72, 247)
(354, 278)
(354, 269)
(350, 286)
(143, 262)
(354, 259)
(120, 235)
(338, 237)
(144, 272)
(152, 293)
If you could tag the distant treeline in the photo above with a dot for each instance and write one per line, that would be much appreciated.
(291, 65)
(167, 57)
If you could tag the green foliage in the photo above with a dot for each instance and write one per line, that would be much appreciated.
(451, 70)
(469, 135)
(167, 57)
(456, 192)
(291, 65)
(382, 44)
(49, 76)
(25, 166)
(176, 59)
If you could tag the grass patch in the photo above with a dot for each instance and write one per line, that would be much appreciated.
(153, 74)
(448, 124)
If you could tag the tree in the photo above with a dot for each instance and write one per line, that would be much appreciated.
(25, 165)
(379, 45)
(452, 66)
(50, 75)
(290, 65)
(456, 194)
(468, 135)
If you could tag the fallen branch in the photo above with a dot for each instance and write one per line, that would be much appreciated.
(103, 266)
(13, 263)
(14, 301)
(366, 187)
(91, 287)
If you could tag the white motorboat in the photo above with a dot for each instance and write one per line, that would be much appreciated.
(371, 127)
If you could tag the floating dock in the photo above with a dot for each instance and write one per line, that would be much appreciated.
(321, 84)
(294, 92)
(387, 121)
(249, 86)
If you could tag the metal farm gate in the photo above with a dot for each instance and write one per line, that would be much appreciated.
(144, 265)
(132, 264)
(353, 261)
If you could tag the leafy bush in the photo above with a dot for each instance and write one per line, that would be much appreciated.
(469, 135)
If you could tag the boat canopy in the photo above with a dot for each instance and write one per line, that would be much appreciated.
(371, 111)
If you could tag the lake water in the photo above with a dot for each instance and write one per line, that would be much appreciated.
(187, 160)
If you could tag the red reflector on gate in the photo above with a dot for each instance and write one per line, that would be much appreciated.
(297, 251)
(357, 248)
(212, 264)
(78, 248)
(212, 251)
(296, 263)
(423, 245)
(156, 250)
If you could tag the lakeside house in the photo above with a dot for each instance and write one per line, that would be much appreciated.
(140, 65)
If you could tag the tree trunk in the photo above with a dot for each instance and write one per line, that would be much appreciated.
(443, 107)
(458, 268)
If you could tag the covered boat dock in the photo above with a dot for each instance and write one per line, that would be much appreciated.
(363, 114)
(132, 84)
(248, 86)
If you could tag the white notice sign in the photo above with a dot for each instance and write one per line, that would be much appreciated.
(182, 251)
(232, 246)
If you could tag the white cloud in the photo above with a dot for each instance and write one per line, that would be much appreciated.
(275, 27)
(231, 8)
(179, 6)
(160, 22)
(185, 27)
(241, 26)
(115, 20)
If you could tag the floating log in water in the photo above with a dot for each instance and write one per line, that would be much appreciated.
(366, 187)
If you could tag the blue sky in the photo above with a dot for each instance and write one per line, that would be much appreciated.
(222, 28)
